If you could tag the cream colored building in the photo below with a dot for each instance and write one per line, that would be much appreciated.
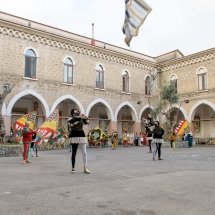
(51, 67)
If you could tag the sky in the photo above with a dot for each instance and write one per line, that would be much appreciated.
(187, 25)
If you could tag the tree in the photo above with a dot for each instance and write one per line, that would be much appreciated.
(7, 90)
(166, 105)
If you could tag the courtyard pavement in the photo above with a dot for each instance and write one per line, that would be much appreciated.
(122, 182)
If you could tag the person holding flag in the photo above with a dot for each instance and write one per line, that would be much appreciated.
(26, 139)
(77, 137)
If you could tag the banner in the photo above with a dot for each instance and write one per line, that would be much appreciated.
(61, 132)
(182, 127)
(136, 12)
(48, 128)
(96, 134)
(20, 124)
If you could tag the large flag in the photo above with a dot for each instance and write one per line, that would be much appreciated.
(48, 128)
(20, 124)
(59, 135)
(136, 12)
(96, 134)
(182, 127)
(153, 76)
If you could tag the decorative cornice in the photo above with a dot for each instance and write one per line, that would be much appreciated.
(188, 62)
(73, 48)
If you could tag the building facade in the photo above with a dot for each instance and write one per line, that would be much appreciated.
(54, 68)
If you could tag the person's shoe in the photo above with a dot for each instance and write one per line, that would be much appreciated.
(160, 159)
(150, 151)
(28, 161)
(73, 170)
(153, 159)
(36, 155)
(86, 170)
(23, 162)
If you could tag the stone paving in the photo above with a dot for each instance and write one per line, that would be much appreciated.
(122, 182)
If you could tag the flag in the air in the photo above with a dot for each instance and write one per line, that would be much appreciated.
(61, 132)
(153, 76)
(182, 127)
(136, 12)
(48, 128)
(97, 134)
(20, 124)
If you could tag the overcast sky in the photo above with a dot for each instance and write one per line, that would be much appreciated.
(187, 25)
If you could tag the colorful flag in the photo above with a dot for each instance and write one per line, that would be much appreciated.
(48, 128)
(96, 134)
(136, 12)
(59, 135)
(182, 127)
(20, 124)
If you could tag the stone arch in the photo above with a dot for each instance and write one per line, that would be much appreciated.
(129, 105)
(173, 75)
(62, 98)
(69, 56)
(24, 93)
(29, 47)
(4, 110)
(100, 64)
(194, 108)
(144, 108)
(110, 114)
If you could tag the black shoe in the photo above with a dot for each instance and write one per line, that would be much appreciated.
(160, 159)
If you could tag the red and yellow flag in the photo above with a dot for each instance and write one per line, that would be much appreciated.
(20, 124)
(182, 127)
(48, 128)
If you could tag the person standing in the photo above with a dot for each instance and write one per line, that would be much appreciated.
(148, 126)
(136, 139)
(114, 138)
(27, 139)
(189, 137)
(157, 140)
(173, 138)
(125, 138)
(32, 144)
(77, 137)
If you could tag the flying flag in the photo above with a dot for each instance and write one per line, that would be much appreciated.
(153, 76)
(182, 127)
(20, 124)
(136, 12)
(59, 135)
(48, 128)
(97, 134)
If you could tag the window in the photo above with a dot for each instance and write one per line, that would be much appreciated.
(125, 82)
(202, 79)
(174, 82)
(99, 77)
(147, 85)
(68, 71)
(30, 64)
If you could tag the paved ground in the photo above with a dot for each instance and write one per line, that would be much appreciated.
(122, 182)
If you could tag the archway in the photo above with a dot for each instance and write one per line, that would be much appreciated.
(202, 119)
(66, 104)
(126, 117)
(144, 114)
(100, 114)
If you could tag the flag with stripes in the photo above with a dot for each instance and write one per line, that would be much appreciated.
(182, 127)
(136, 12)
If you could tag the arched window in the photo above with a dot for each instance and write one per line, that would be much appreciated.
(147, 85)
(125, 81)
(30, 64)
(99, 77)
(68, 71)
(174, 82)
(202, 79)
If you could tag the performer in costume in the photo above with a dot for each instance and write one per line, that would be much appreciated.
(26, 139)
(32, 144)
(114, 138)
(157, 140)
(125, 138)
(173, 137)
(77, 137)
(148, 126)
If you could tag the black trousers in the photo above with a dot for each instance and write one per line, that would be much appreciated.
(171, 143)
(150, 145)
(74, 152)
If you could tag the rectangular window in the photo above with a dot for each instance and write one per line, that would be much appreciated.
(68, 74)
(126, 84)
(175, 84)
(100, 79)
(30, 67)
(202, 81)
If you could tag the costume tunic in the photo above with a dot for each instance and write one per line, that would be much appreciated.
(77, 135)
(157, 134)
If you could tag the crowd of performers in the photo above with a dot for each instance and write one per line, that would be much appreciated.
(153, 136)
